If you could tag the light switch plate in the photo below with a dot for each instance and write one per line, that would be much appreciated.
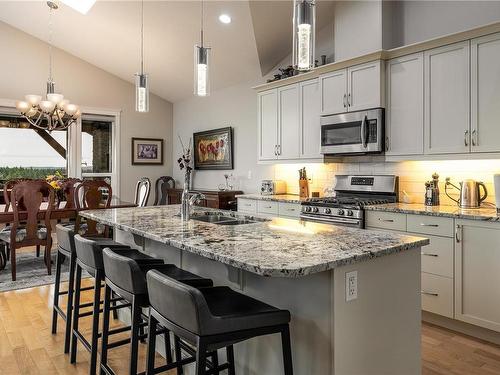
(351, 286)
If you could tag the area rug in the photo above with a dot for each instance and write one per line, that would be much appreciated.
(31, 272)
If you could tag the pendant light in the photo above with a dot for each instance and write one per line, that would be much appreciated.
(202, 65)
(55, 112)
(304, 26)
(141, 79)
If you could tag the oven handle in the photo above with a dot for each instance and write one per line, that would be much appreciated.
(353, 222)
(364, 137)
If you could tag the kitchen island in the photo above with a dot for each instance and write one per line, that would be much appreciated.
(302, 267)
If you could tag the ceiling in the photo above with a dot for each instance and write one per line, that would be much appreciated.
(109, 38)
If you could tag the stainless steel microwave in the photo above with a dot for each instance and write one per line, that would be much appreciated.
(353, 133)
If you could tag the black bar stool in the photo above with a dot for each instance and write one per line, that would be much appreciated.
(89, 258)
(127, 278)
(211, 319)
(66, 250)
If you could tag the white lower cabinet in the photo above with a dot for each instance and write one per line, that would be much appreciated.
(269, 208)
(477, 273)
(437, 294)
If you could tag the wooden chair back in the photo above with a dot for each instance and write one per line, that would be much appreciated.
(7, 188)
(162, 185)
(68, 187)
(92, 195)
(142, 190)
(27, 197)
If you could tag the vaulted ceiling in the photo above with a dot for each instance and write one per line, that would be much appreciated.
(109, 37)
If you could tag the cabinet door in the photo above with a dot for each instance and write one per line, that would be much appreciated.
(289, 122)
(309, 119)
(447, 99)
(333, 87)
(364, 86)
(477, 276)
(405, 106)
(268, 124)
(485, 94)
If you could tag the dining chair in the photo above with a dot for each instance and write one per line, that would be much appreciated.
(26, 198)
(162, 184)
(91, 195)
(142, 190)
(68, 187)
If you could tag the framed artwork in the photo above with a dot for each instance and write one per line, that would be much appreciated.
(213, 149)
(147, 151)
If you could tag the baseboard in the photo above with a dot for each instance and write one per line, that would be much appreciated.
(462, 327)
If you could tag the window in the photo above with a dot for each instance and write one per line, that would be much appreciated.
(29, 152)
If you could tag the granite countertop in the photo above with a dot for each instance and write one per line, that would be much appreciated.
(483, 213)
(288, 198)
(278, 247)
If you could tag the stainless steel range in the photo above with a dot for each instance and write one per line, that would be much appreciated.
(352, 193)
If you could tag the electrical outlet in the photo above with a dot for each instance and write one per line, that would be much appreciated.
(351, 286)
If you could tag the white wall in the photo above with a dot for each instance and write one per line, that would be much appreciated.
(24, 67)
(422, 20)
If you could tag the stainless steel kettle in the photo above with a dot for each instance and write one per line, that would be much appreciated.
(470, 196)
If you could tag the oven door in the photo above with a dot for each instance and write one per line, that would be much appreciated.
(353, 133)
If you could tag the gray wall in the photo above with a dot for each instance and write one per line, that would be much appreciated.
(24, 67)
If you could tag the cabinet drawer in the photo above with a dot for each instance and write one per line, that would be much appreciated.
(386, 220)
(267, 207)
(437, 257)
(437, 294)
(247, 205)
(289, 209)
(437, 226)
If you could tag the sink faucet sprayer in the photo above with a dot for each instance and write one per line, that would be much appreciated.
(187, 202)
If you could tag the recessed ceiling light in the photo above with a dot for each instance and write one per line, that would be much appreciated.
(82, 6)
(225, 18)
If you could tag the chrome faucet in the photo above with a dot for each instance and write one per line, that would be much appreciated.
(188, 201)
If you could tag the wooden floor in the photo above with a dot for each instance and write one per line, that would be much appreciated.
(28, 347)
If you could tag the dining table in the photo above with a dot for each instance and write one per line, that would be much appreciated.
(60, 212)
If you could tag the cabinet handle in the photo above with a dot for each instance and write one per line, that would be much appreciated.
(429, 254)
(279, 149)
(386, 220)
(474, 137)
(466, 138)
(429, 225)
(344, 101)
(247, 204)
(457, 234)
(349, 100)
(386, 143)
(429, 293)
(275, 150)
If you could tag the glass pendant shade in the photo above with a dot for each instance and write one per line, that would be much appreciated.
(141, 93)
(202, 71)
(304, 26)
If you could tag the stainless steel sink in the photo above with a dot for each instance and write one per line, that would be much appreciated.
(221, 219)
(216, 219)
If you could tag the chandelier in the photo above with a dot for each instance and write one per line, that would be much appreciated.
(55, 112)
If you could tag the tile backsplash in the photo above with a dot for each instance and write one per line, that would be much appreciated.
(412, 175)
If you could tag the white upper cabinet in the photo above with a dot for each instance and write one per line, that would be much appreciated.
(333, 88)
(485, 94)
(289, 122)
(405, 106)
(365, 86)
(268, 124)
(447, 99)
(309, 117)
(353, 89)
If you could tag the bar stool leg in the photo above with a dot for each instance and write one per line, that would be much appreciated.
(215, 362)
(230, 360)
(76, 313)
(201, 357)
(287, 350)
(168, 347)
(152, 327)
(69, 305)
(95, 322)
(57, 287)
(37, 251)
(178, 354)
(134, 339)
(105, 328)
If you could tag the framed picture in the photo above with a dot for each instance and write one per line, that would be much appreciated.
(213, 149)
(147, 151)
